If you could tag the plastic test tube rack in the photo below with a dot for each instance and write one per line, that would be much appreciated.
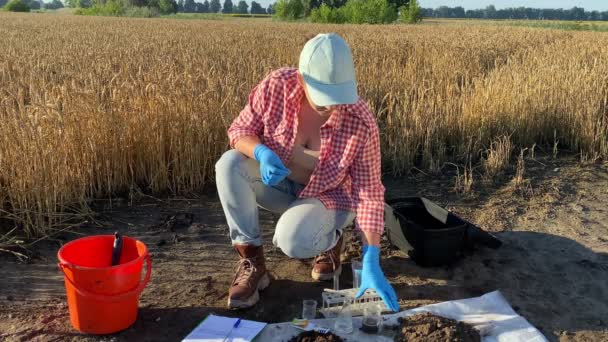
(333, 301)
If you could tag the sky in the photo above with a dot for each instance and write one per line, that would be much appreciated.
(600, 5)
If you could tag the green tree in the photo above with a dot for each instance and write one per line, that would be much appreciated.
(577, 13)
(256, 8)
(189, 6)
(214, 6)
(242, 7)
(17, 6)
(35, 5)
(180, 5)
(227, 8)
(326, 14)
(442, 12)
(356, 12)
(309, 5)
(55, 4)
(280, 9)
(412, 13)
(83, 3)
(369, 12)
(142, 3)
(399, 3)
(490, 12)
(167, 6)
(295, 8)
(335, 3)
(202, 7)
(289, 9)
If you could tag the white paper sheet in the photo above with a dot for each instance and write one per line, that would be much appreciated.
(492, 310)
(220, 329)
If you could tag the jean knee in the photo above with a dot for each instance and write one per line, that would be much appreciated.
(294, 239)
(228, 162)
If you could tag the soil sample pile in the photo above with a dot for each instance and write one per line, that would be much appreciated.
(430, 328)
(314, 336)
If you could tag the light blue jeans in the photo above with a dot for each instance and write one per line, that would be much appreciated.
(306, 227)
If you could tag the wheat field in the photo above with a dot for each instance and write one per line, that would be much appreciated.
(95, 107)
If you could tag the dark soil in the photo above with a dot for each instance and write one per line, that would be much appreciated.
(313, 336)
(555, 233)
(430, 328)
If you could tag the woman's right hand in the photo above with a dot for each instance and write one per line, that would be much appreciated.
(272, 169)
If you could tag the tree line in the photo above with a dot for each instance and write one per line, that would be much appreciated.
(27, 5)
(349, 11)
(490, 12)
(119, 7)
(184, 6)
(214, 6)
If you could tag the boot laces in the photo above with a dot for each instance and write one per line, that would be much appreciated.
(245, 269)
(326, 258)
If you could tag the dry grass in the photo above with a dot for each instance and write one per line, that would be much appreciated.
(91, 107)
(463, 182)
(498, 157)
(520, 170)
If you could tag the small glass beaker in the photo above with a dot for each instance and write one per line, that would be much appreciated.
(372, 319)
(309, 309)
(357, 268)
(344, 321)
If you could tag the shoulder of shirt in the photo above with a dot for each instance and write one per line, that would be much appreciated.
(362, 113)
(283, 75)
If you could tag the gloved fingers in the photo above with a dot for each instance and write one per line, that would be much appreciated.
(278, 162)
(361, 291)
(279, 167)
(280, 171)
(271, 180)
(274, 179)
(390, 300)
(265, 176)
(386, 299)
(277, 170)
(393, 297)
(394, 304)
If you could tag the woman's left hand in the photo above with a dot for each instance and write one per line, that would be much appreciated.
(373, 278)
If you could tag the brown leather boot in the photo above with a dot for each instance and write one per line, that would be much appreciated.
(251, 277)
(326, 265)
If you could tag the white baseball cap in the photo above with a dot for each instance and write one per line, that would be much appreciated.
(326, 65)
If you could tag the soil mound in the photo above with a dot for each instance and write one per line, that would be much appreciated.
(313, 336)
(430, 328)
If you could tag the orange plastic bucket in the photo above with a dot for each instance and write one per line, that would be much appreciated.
(103, 299)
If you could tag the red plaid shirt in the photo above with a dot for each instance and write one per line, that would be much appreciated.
(348, 175)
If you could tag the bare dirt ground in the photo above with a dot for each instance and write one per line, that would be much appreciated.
(553, 267)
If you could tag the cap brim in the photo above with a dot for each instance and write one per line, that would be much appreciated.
(331, 94)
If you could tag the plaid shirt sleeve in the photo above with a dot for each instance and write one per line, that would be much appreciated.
(249, 122)
(367, 188)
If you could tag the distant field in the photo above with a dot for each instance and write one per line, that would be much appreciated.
(95, 106)
(217, 16)
(552, 24)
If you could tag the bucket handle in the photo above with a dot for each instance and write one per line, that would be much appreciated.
(111, 298)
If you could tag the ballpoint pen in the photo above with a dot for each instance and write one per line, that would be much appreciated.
(236, 325)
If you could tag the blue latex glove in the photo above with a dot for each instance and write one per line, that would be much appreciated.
(373, 278)
(271, 167)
